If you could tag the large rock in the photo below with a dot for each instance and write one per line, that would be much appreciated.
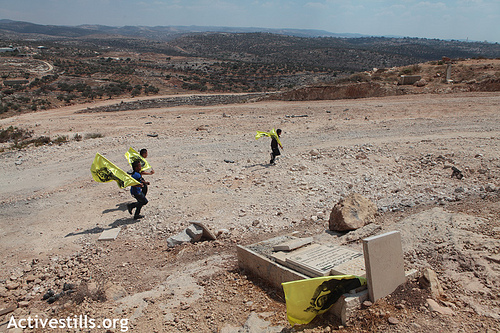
(430, 280)
(351, 213)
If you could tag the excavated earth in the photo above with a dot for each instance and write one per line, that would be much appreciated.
(396, 151)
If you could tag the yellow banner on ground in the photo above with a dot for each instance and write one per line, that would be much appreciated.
(132, 156)
(310, 297)
(271, 134)
(104, 171)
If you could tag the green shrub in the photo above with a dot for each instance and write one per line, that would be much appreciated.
(14, 134)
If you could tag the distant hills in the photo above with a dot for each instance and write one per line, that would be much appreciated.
(311, 49)
(157, 32)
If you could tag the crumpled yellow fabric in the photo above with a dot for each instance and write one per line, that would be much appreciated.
(305, 299)
(271, 134)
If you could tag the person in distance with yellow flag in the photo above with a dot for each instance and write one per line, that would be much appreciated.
(275, 142)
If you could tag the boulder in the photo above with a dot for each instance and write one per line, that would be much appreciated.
(351, 213)
(420, 83)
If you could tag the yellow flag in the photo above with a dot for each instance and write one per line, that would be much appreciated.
(104, 171)
(310, 297)
(132, 156)
(271, 134)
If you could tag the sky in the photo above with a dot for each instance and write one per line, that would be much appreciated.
(475, 20)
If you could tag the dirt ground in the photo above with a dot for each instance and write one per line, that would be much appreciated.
(396, 151)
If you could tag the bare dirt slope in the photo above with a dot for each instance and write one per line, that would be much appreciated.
(396, 151)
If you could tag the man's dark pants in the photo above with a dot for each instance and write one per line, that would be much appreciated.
(141, 201)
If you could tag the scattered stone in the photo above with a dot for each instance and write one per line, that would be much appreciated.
(68, 286)
(48, 294)
(222, 232)
(456, 173)
(393, 320)
(30, 278)
(194, 233)
(23, 304)
(434, 306)
(367, 304)
(7, 310)
(494, 258)
(11, 285)
(490, 187)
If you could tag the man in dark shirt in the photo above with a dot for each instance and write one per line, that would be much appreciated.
(136, 191)
(274, 147)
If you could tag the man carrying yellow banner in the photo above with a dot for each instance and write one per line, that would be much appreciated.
(275, 142)
(104, 171)
(310, 297)
(133, 156)
(136, 191)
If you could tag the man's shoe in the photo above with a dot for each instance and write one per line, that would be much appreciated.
(129, 207)
(138, 217)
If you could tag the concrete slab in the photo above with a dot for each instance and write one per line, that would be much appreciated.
(260, 260)
(195, 232)
(181, 237)
(272, 272)
(409, 79)
(109, 234)
(321, 260)
(384, 264)
(354, 266)
(293, 244)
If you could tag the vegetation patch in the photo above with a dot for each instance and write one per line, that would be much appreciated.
(20, 138)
